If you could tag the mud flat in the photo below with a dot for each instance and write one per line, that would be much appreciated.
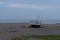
(10, 30)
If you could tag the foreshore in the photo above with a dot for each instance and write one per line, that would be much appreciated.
(10, 30)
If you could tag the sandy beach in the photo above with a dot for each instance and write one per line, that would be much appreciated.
(10, 30)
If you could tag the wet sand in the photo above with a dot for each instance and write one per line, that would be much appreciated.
(10, 30)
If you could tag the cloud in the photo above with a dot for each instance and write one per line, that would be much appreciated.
(28, 6)
(2, 2)
(25, 6)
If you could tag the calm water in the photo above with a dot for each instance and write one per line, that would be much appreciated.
(18, 21)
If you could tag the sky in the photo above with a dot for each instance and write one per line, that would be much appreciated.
(29, 9)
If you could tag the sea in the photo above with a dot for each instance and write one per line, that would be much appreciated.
(28, 21)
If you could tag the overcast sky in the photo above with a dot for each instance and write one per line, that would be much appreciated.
(29, 9)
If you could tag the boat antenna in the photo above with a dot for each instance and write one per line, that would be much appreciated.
(37, 19)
